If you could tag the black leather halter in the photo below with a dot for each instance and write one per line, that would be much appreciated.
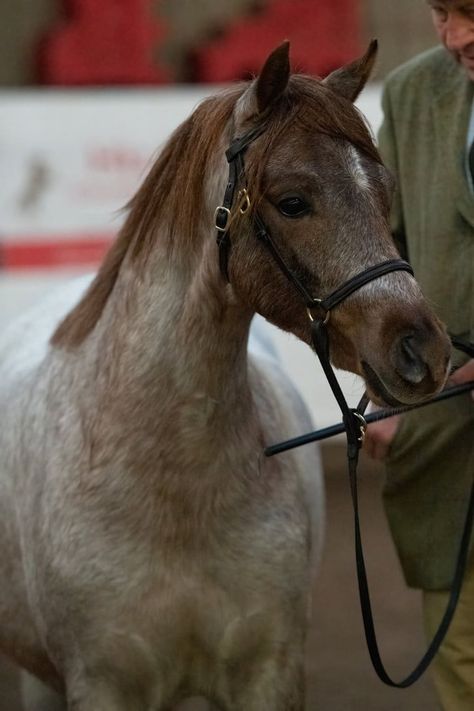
(353, 418)
(225, 215)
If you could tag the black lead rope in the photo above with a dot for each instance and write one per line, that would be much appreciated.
(364, 594)
(353, 421)
(354, 424)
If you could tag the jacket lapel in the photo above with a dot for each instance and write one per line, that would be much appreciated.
(454, 111)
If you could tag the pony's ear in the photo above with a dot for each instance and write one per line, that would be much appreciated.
(274, 77)
(266, 89)
(348, 81)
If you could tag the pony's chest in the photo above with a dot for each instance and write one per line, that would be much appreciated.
(195, 623)
(224, 606)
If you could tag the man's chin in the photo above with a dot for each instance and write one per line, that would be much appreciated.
(466, 63)
(469, 68)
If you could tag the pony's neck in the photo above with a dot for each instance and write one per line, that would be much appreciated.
(178, 329)
(173, 350)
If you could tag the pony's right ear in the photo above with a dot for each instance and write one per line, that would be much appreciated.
(268, 87)
(348, 81)
(274, 77)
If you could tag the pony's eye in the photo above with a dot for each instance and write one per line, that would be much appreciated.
(293, 207)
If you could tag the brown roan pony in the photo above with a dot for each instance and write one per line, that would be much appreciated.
(148, 551)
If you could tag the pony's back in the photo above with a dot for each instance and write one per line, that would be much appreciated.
(25, 342)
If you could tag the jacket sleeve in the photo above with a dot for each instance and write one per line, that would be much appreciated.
(388, 149)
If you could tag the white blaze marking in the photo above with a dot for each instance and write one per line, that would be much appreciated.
(356, 169)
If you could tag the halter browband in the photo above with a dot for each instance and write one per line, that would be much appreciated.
(353, 419)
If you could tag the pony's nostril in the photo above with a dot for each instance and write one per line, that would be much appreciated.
(409, 361)
(408, 350)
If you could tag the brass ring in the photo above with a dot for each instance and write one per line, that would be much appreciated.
(244, 201)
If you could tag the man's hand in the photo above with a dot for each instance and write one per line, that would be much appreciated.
(379, 436)
(464, 374)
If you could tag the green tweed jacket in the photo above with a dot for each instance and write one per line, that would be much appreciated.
(427, 104)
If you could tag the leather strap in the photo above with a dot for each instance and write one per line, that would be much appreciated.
(223, 214)
(352, 285)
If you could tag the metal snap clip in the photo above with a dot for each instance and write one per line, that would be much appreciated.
(362, 426)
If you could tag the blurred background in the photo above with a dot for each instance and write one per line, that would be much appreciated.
(81, 42)
(89, 91)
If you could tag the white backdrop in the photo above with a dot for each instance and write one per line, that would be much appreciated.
(70, 160)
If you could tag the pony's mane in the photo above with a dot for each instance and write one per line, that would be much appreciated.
(175, 184)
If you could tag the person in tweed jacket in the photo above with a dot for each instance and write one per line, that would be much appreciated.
(425, 140)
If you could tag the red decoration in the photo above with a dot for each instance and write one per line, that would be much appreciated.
(103, 42)
(68, 250)
(323, 36)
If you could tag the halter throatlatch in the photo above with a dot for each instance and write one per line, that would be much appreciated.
(353, 418)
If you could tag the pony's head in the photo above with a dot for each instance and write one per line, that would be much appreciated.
(315, 178)
(317, 182)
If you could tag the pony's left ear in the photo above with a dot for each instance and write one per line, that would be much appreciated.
(348, 81)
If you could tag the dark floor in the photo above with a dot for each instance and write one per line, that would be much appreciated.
(8, 688)
(340, 677)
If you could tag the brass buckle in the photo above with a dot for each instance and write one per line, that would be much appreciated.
(243, 204)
